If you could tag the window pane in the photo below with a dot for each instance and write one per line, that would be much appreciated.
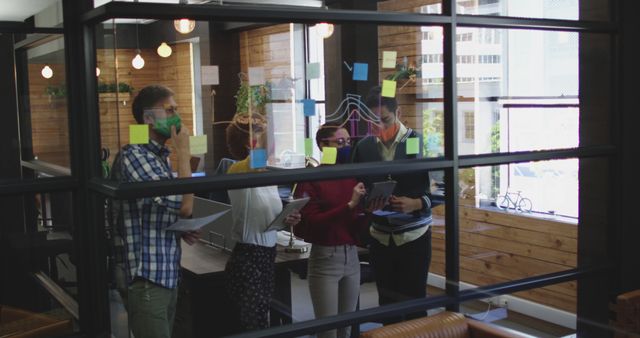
(543, 9)
(518, 221)
(519, 91)
(44, 122)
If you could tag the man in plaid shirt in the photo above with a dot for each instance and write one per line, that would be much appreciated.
(152, 254)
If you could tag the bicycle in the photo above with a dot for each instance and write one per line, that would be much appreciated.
(520, 203)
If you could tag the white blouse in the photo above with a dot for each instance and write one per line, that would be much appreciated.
(253, 210)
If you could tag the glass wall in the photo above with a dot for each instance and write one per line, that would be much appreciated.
(530, 228)
(295, 77)
(43, 105)
(542, 9)
(39, 264)
(519, 90)
(302, 103)
(257, 99)
(239, 104)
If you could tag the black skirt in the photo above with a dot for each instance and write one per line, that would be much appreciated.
(250, 280)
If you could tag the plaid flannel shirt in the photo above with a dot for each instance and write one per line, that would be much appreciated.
(151, 252)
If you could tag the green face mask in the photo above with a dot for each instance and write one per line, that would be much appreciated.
(163, 126)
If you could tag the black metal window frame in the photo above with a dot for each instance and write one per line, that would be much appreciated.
(16, 186)
(90, 189)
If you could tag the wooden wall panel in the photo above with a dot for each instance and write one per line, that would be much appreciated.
(49, 115)
(175, 72)
(267, 47)
(498, 246)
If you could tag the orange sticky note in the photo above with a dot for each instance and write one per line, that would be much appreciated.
(388, 88)
(138, 134)
(329, 155)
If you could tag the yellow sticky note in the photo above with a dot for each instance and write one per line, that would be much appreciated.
(389, 59)
(138, 134)
(388, 88)
(413, 146)
(329, 155)
(198, 144)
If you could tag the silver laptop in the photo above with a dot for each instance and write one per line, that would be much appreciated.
(218, 232)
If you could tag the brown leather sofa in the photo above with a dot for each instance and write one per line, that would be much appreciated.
(442, 325)
(627, 309)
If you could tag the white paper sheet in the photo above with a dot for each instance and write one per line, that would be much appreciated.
(209, 75)
(194, 224)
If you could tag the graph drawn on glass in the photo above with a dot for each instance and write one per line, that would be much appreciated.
(352, 110)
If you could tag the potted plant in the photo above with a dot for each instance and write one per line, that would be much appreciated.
(258, 95)
(112, 92)
(56, 91)
(405, 71)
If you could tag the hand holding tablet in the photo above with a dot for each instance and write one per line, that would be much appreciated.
(293, 207)
(380, 193)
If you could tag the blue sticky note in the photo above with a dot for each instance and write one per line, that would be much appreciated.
(360, 71)
(258, 158)
(309, 107)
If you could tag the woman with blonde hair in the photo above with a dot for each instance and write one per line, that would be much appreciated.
(251, 268)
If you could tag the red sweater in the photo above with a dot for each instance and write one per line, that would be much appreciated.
(326, 219)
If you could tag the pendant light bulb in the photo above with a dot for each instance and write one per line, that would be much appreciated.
(97, 71)
(164, 50)
(324, 29)
(184, 26)
(138, 61)
(46, 72)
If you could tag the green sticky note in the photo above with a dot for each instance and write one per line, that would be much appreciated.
(389, 59)
(138, 134)
(313, 70)
(388, 88)
(329, 155)
(198, 144)
(308, 147)
(413, 146)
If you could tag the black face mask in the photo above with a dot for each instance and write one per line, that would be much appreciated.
(344, 155)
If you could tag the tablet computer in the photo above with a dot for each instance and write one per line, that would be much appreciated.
(278, 223)
(382, 189)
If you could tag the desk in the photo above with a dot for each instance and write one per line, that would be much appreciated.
(202, 301)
